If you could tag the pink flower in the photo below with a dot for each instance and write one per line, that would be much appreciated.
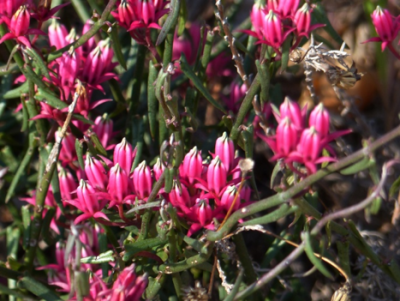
(384, 26)
(96, 173)
(192, 166)
(88, 202)
(118, 185)
(272, 30)
(124, 155)
(128, 286)
(309, 150)
(228, 197)
(286, 139)
(216, 175)
(292, 110)
(319, 119)
(225, 149)
(287, 8)
(158, 169)
(9, 7)
(142, 181)
(67, 184)
(57, 34)
(203, 212)
(103, 127)
(257, 16)
(68, 71)
(180, 198)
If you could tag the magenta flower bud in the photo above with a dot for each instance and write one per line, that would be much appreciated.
(286, 137)
(67, 184)
(310, 147)
(225, 150)
(126, 14)
(257, 16)
(118, 184)
(179, 197)
(128, 286)
(216, 175)
(192, 166)
(287, 8)
(57, 34)
(228, 197)
(87, 198)
(147, 11)
(95, 173)
(19, 24)
(91, 43)
(383, 23)
(158, 169)
(203, 212)
(302, 19)
(107, 54)
(292, 110)
(319, 119)
(124, 155)
(272, 30)
(103, 127)
(142, 181)
(68, 71)
(94, 66)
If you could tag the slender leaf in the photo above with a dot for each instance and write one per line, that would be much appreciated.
(198, 83)
(314, 260)
(38, 289)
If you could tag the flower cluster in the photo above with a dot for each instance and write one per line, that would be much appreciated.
(127, 286)
(296, 143)
(139, 16)
(273, 22)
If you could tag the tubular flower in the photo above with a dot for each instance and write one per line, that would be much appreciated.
(124, 155)
(385, 27)
(225, 150)
(192, 166)
(216, 175)
(142, 181)
(96, 173)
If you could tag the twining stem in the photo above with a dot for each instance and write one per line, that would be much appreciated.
(285, 196)
(271, 274)
(44, 187)
(355, 208)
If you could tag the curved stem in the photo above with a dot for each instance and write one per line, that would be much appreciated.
(353, 209)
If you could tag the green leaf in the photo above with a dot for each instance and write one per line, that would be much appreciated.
(236, 286)
(310, 254)
(357, 167)
(79, 153)
(182, 18)
(170, 22)
(152, 103)
(104, 257)
(275, 172)
(198, 84)
(344, 254)
(133, 248)
(117, 45)
(99, 147)
(16, 92)
(51, 99)
(38, 62)
(320, 17)
(12, 292)
(38, 289)
(394, 188)
(13, 235)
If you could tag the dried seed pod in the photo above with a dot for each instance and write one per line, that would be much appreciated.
(343, 293)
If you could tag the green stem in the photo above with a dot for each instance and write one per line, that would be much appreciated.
(188, 263)
(144, 229)
(176, 277)
(32, 111)
(285, 196)
(245, 107)
(244, 258)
